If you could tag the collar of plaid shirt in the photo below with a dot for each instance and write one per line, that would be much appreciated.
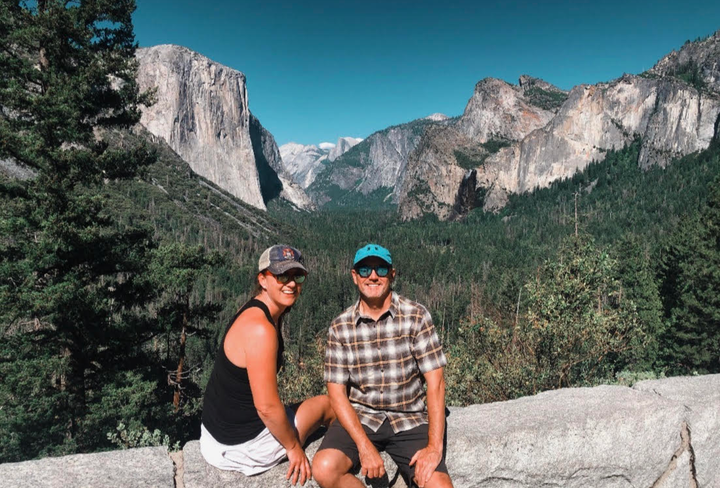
(393, 309)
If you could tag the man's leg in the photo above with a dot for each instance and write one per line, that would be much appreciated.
(403, 446)
(331, 469)
(332, 466)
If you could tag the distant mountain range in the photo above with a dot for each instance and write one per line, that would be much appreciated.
(303, 162)
(510, 138)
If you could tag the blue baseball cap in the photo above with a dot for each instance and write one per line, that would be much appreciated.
(372, 250)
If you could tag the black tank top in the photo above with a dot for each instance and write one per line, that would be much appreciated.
(229, 413)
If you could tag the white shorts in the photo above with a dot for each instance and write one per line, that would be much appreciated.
(251, 457)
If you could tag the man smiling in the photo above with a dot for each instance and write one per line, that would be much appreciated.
(379, 353)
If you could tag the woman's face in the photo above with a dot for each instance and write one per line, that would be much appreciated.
(282, 289)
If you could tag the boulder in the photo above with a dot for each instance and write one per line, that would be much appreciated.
(143, 467)
(700, 395)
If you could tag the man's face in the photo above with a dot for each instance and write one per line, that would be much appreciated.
(373, 287)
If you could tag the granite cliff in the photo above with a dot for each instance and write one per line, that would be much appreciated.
(657, 434)
(304, 162)
(202, 112)
(539, 134)
(375, 165)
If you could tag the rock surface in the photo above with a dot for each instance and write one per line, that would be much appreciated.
(499, 110)
(378, 162)
(343, 145)
(694, 58)
(303, 162)
(658, 434)
(557, 134)
(701, 397)
(149, 467)
(202, 113)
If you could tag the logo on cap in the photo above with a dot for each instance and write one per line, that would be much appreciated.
(288, 253)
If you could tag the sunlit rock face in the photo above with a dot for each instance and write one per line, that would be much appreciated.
(201, 111)
(343, 145)
(672, 118)
(513, 139)
(303, 162)
(497, 113)
(499, 110)
(694, 61)
(376, 163)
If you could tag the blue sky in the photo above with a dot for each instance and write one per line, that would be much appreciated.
(323, 69)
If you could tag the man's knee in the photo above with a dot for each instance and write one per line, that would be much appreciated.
(328, 466)
(439, 480)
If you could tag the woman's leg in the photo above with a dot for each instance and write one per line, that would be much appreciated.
(311, 414)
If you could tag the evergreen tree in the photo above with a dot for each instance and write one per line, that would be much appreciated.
(691, 292)
(71, 287)
(176, 270)
(637, 275)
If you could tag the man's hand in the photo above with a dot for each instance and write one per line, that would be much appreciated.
(299, 468)
(425, 461)
(371, 462)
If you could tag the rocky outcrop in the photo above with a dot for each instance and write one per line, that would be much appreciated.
(144, 467)
(343, 145)
(274, 178)
(430, 181)
(556, 134)
(499, 110)
(657, 434)
(202, 112)
(495, 115)
(671, 118)
(695, 62)
(302, 163)
(376, 163)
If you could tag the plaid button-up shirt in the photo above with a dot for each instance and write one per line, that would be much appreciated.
(383, 361)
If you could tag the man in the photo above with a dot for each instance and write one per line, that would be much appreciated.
(379, 351)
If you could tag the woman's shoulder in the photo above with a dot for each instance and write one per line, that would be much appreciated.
(252, 324)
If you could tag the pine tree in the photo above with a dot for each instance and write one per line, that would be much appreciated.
(176, 270)
(71, 282)
(691, 292)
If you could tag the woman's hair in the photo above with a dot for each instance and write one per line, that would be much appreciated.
(258, 289)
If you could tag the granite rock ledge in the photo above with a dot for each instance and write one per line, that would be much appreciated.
(657, 434)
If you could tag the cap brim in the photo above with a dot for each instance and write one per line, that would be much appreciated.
(372, 256)
(280, 268)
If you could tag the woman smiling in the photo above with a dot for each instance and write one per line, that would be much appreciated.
(245, 427)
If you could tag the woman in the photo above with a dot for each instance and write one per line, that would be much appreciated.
(245, 427)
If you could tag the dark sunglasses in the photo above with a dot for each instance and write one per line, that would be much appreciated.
(365, 271)
(297, 278)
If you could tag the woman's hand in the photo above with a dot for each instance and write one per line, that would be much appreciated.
(299, 469)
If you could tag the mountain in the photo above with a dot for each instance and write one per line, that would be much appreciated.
(202, 112)
(343, 145)
(372, 169)
(513, 139)
(303, 162)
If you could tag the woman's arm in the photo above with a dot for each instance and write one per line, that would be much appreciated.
(261, 363)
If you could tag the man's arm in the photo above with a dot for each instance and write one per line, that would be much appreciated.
(428, 458)
(370, 460)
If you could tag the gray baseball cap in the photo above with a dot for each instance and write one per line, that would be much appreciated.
(280, 258)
